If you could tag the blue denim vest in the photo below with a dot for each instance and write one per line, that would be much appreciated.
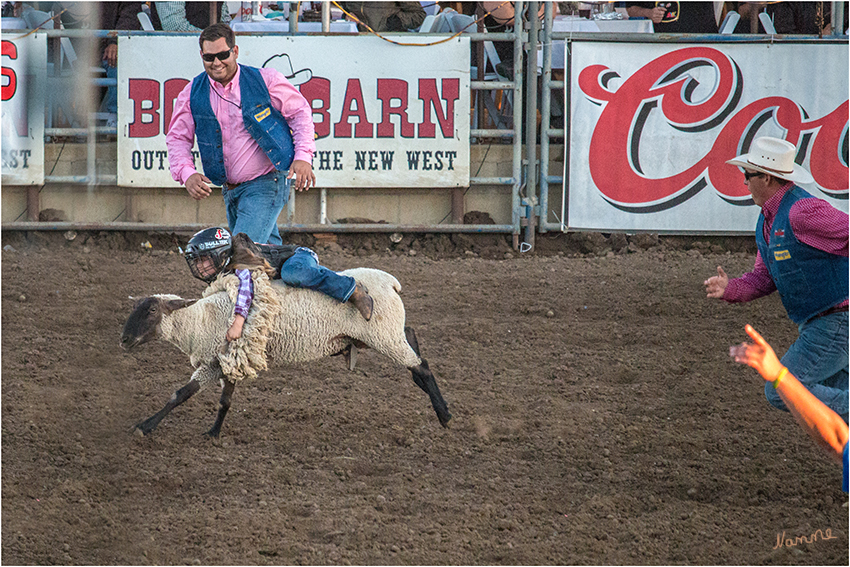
(809, 280)
(264, 123)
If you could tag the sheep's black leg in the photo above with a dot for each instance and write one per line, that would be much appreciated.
(410, 335)
(224, 405)
(425, 379)
(178, 398)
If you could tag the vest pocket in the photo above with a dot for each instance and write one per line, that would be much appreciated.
(792, 281)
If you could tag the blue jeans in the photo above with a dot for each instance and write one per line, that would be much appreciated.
(110, 99)
(818, 358)
(254, 206)
(303, 270)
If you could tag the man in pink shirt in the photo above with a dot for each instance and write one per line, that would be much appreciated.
(802, 253)
(255, 135)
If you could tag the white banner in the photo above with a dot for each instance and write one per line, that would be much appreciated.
(23, 87)
(385, 115)
(652, 125)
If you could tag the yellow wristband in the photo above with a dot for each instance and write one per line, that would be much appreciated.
(780, 376)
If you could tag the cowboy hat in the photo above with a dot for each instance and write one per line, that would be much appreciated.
(774, 157)
(282, 63)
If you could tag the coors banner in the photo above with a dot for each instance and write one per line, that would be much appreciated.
(385, 115)
(653, 125)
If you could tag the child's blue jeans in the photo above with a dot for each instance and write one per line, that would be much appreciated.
(303, 270)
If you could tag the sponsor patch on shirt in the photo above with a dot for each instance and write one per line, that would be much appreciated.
(261, 115)
(781, 255)
(779, 232)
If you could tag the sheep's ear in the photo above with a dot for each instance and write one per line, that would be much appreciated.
(175, 304)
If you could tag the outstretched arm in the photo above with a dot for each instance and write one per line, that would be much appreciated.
(821, 423)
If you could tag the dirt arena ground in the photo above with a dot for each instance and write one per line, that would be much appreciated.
(598, 418)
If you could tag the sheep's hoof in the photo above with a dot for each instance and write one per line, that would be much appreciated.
(445, 421)
(141, 429)
(212, 434)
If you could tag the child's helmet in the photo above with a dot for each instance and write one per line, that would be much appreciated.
(213, 243)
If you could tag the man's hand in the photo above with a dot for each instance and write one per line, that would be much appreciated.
(110, 54)
(759, 355)
(715, 286)
(302, 171)
(197, 186)
(657, 14)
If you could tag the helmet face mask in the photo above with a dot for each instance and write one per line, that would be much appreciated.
(208, 252)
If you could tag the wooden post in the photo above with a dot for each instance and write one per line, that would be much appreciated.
(457, 205)
(32, 203)
(129, 212)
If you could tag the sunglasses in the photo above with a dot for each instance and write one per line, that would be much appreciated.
(221, 56)
(750, 174)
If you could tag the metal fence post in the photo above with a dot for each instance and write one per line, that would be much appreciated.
(533, 24)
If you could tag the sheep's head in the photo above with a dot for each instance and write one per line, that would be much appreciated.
(143, 323)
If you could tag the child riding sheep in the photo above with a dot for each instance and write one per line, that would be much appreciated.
(215, 257)
(213, 251)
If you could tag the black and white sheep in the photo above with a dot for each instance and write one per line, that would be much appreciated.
(308, 326)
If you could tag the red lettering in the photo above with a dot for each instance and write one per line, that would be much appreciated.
(828, 157)
(389, 90)
(170, 90)
(318, 90)
(142, 91)
(353, 97)
(430, 97)
(8, 90)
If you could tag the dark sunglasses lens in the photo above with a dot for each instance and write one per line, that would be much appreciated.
(210, 57)
(749, 175)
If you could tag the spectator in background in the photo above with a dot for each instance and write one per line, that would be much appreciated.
(676, 17)
(11, 9)
(821, 423)
(802, 253)
(387, 16)
(806, 18)
(187, 16)
(499, 19)
(114, 16)
(798, 18)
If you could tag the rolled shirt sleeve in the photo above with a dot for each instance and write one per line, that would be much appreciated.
(245, 294)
